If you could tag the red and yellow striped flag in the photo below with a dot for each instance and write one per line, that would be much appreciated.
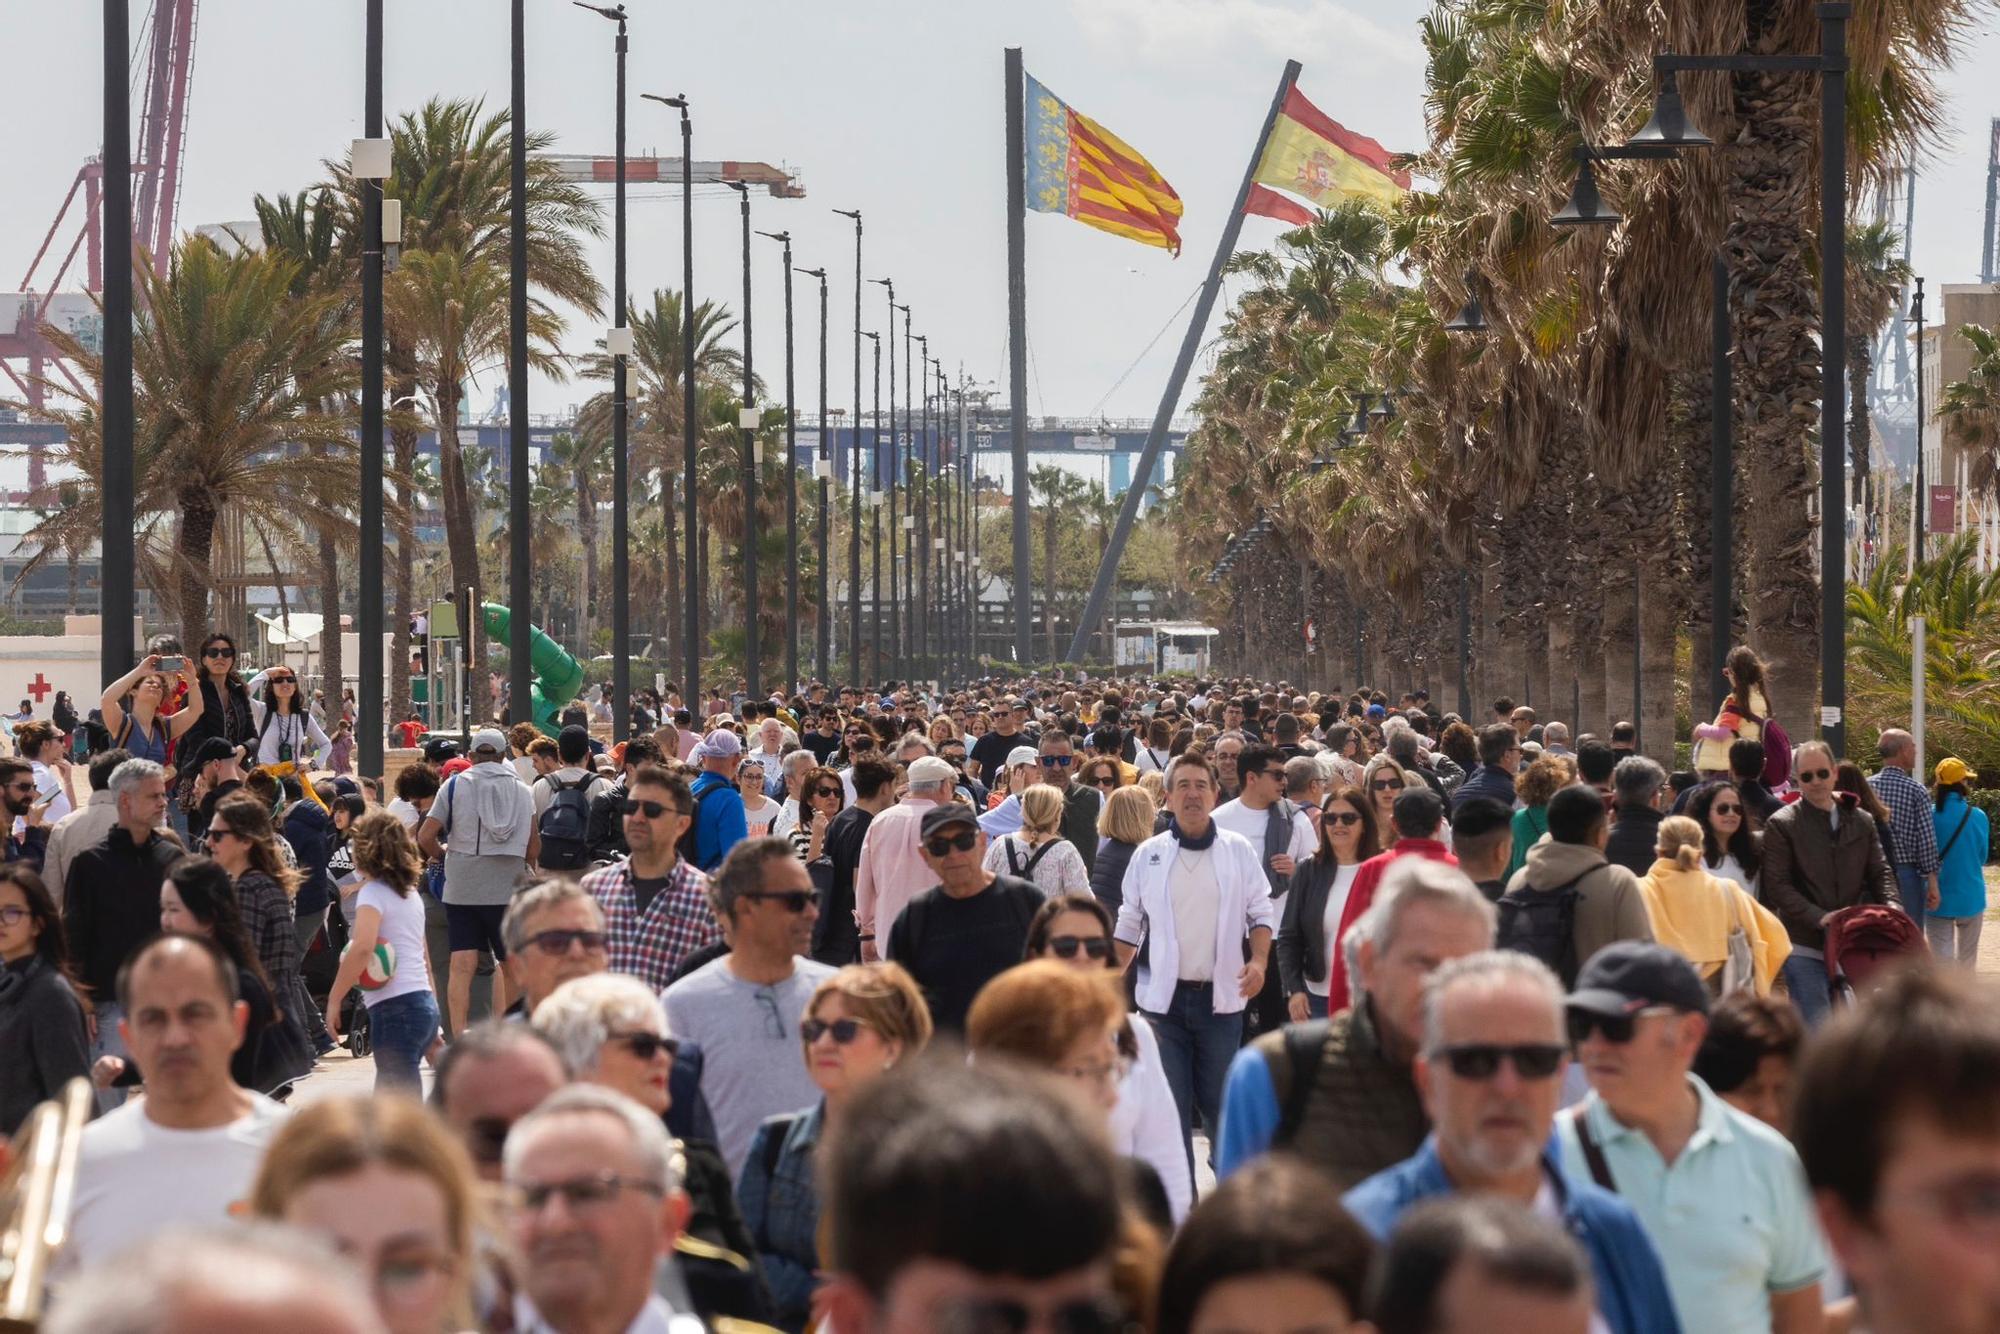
(1078, 168)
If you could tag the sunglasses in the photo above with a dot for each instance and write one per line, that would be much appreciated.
(282, 680)
(945, 844)
(1386, 785)
(653, 809)
(646, 1046)
(1725, 810)
(844, 1031)
(1814, 775)
(1616, 1028)
(834, 792)
(1481, 1060)
(1065, 947)
(218, 653)
(1058, 761)
(559, 941)
(1106, 780)
(1341, 818)
(977, 1315)
(793, 900)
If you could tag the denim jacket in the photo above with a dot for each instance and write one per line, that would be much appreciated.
(781, 1207)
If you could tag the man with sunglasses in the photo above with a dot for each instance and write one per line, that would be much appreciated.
(655, 902)
(1285, 839)
(1721, 1194)
(744, 1007)
(1821, 854)
(1081, 805)
(970, 927)
(892, 870)
(492, 1076)
(1490, 1073)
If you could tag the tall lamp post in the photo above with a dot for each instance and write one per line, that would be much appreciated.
(920, 609)
(872, 679)
(1920, 499)
(374, 720)
(791, 485)
(618, 343)
(854, 468)
(520, 563)
(823, 475)
(895, 636)
(903, 609)
(749, 421)
(691, 562)
(116, 651)
(1670, 129)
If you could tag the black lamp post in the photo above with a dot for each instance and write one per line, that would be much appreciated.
(873, 678)
(902, 621)
(748, 421)
(1920, 500)
(690, 400)
(895, 636)
(822, 474)
(374, 720)
(920, 375)
(1471, 317)
(520, 563)
(116, 651)
(1669, 131)
(854, 467)
(791, 485)
(618, 342)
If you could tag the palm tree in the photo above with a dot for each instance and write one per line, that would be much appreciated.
(1970, 408)
(1876, 277)
(233, 372)
(1058, 492)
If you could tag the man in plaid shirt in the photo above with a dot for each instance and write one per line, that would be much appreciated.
(656, 905)
(1916, 852)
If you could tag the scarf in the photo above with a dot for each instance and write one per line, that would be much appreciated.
(1201, 844)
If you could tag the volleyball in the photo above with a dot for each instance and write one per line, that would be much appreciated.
(380, 968)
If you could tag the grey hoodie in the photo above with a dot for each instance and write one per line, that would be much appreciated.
(1609, 905)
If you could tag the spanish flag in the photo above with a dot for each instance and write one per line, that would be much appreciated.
(1314, 156)
(1078, 168)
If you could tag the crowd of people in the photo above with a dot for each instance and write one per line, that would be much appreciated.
(1043, 1004)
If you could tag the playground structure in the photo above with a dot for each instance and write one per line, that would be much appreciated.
(558, 675)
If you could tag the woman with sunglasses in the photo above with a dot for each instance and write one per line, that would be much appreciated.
(43, 1040)
(1100, 772)
(1384, 780)
(1729, 849)
(759, 811)
(1076, 930)
(1733, 941)
(396, 981)
(225, 699)
(1316, 899)
(131, 708)
(859, 1023)
(824, 798)
(1037, 851)
(285, 725)
(394, 1191)
(244, 843)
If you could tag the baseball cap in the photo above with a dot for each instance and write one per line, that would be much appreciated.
(721, 741)
(945, 816)
(458, 764)
(1952, 769)
(1377, 711)
(489, 738)
(931, 769)
(214, 748)
(1023, 755)
(1628, 976)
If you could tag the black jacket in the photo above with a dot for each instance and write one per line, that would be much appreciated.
(836, 939)
(1302, 931)
(1635, 837)
(43, 1043)
(1107, 874)
(309, 829)
(111, 905)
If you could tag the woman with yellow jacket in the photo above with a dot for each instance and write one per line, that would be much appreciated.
(1695, 912)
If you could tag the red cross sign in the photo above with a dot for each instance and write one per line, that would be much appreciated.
(39, 687)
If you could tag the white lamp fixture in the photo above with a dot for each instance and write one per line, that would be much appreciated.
(618, 341)
(909, 523)
(875, 497)
(937, 544)
(368, 160)
(632, 389)
(749, 418)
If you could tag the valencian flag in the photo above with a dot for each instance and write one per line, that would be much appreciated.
(1312, 155)
(1078, 168)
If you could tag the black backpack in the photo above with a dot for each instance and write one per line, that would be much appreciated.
(1016, 869)
(565, 826)
(1542, 922)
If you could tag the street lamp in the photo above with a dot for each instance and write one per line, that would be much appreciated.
(791, 485)
(823, 475)
(854, 466)
(520, 478)
(618, 343)
(920, 374)
(1920, 499)
(373, 718)
(875, 523)
(895, 638)
(691, 665)
(1471, 317)
(902, 623)
(749, 422)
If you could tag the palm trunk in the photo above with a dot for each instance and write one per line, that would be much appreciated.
(332, 662)
(71, 559)
(194, 542)
(1590, 553)
(1689, 420)
(1618, 580)
(461, 541)
(586, 529)
(403, 445)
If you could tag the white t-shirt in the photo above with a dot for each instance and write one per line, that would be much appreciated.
(1195, 895)
(403, 927)
(404, 811)
(135, 1178)
(1240, 819)
(1731, 869)
(1336, 904)
(1146, 760)
(761, 817)
(48, 783)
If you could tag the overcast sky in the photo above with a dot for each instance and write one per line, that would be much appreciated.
(889, 106)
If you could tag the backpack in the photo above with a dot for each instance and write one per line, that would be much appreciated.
(1014, 868)
(1777, 755)
(1542, 923)
(564, 826)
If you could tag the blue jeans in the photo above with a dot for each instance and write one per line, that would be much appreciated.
(1196, 1047)
(1315, 1006)
(109, 1042)
(1806, 980)
(1911, 887)
(401, 1029)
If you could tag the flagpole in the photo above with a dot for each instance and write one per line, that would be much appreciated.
(1017, 337)
(1107, 572)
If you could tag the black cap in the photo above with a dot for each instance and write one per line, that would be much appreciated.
(212, 749)
(945, 816)
(1628, 976)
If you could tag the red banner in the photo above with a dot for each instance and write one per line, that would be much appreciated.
(1944, 510)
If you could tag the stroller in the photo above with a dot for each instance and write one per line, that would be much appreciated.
(332, 939)
(1863, 943)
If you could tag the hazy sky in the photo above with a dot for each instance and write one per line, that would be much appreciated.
(889, 106)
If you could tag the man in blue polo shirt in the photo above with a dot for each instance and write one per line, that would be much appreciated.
(720, 822)
(1721, 1194)
(1490, 1073)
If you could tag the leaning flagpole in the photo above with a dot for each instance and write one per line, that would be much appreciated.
(1107, 573)
(1017, 339)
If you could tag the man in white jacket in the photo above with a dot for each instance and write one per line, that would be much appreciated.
(1198, 897)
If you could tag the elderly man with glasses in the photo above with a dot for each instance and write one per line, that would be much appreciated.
(1821, 854)
(1490, 1073)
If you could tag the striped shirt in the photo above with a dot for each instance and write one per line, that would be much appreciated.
(1909, 818)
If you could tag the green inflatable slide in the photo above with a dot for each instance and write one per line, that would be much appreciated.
(558, 676)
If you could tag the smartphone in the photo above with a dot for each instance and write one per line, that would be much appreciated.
(173, 664)
(79, 744)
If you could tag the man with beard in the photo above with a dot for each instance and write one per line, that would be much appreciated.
(1490, 1073)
